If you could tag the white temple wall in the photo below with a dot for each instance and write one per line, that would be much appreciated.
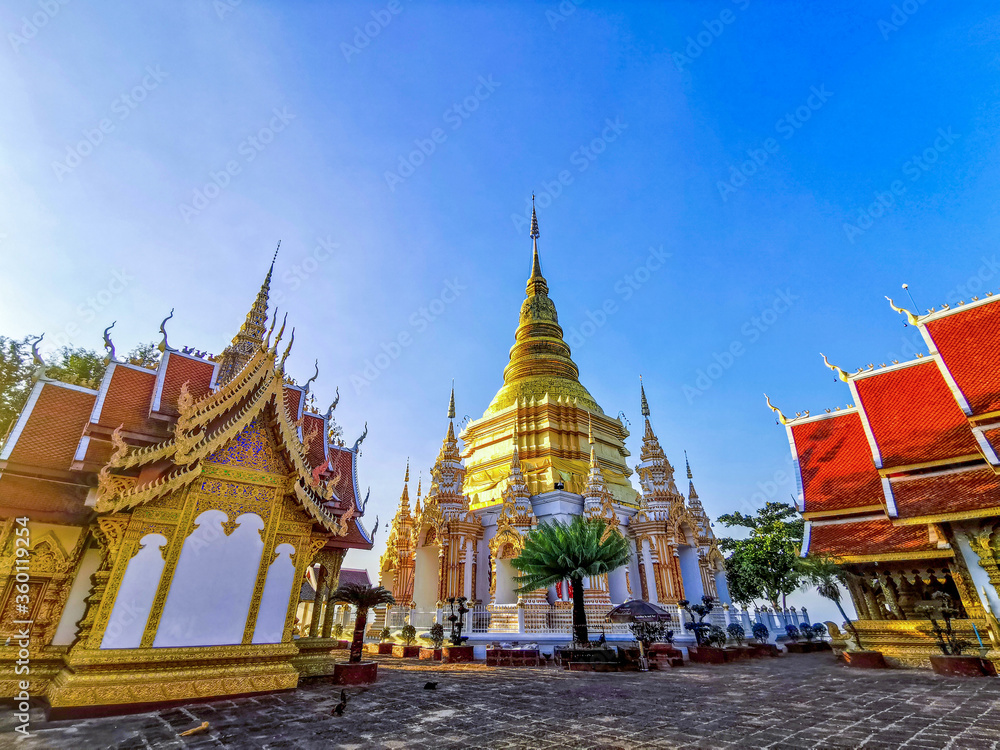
(426, 575)
(274, 600)
(616, 585)
(722, 588)
(212, 587)
(76, 602)
(136, 592)
(691, 573)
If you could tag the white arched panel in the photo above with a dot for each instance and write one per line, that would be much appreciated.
(210, 594)
(135, 595)
(274, 601)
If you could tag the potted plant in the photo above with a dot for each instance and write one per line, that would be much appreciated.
(826, 575)
(456, 651)
(793, 646)
(704, 652)
(657, 641)
(363, 597)
(384, 646)
(761, 636)
(739, 636)
(437, 636)
(407, 649)
(951, 661)
(338, 634)
(819, 631)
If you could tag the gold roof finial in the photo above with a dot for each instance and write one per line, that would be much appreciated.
(776, 410)
(451, 404)
(164, 346)
(407, 477)
(688, 465)
(913, 319)
(840, 373)
(536, 282)
(251, 334)
(645, 403)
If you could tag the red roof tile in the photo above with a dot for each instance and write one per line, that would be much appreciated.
(127, 401)
(949, 492)
(969, 343)
(353, 575)
(292, 397)
(836, 464)
(54, 427)
(876, 537)
(342, 464)
(180, 369)
(914, 416)
(312, 424)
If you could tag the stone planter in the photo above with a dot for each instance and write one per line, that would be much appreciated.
(865, 659)
(405, 652)
(707, 655)
(430, 654)
(799, 647)
(822, 646)
(361, 673)
(734, 654)
(765, 649)
(748, 652)
(378, 648)
(456, 654)
(962, 666)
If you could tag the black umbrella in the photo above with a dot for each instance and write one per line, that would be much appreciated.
(637, 610)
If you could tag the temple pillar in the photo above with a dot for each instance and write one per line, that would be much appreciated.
(331, 561)
(890, 595)
(317, 610)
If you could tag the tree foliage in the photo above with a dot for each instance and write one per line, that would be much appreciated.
(363, 597)
(15, 380)
(765, 564)
(826, 575)
(557, 551)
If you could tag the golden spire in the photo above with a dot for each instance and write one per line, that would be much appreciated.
(251, 333)
(692, 493)
(645, 404)
(451, 404)
(404, 499)
(540, 361)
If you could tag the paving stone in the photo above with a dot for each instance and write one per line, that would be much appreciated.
(806, 702)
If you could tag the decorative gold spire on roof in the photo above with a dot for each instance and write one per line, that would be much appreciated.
(251, 333)
(913, 319)
(840, 373)
(645, 404)
(692, 492)
(540, 361)
(781, 417)
(451, 404)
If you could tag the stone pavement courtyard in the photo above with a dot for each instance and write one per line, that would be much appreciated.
(795, 702)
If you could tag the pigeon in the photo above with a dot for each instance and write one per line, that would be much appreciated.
(430, 686)
(338, 710)
(197, 730)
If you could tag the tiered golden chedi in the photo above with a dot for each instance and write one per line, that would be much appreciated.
(543, 402)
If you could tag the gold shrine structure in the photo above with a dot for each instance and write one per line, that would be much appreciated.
(903, 487)
(156, 529)
(544, 449)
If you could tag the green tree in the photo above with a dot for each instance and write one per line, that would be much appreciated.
(144, 355)
(78, 366)
(15, 380)
(767, 561)
(826, 575)
(557, 551)
(363, 597)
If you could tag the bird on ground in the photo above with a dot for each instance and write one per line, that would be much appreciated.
(430, 686)
(338, 710)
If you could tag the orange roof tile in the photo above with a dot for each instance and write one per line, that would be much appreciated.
(127, 400)
(874, 537)
(181, 369)
(342, 464)
(947, 492)
(54, 426)
(836, 464)
(969, 343)
(914, 416)
(312, 424)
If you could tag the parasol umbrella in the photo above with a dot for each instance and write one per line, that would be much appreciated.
(637, 610)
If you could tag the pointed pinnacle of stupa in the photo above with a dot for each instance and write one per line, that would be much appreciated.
(250, 337)
(404, 498)
(536, 282)
(451, 404)
(645, 403)
(406, 479)
(692, 492)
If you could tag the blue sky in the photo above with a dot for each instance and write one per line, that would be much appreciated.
(742, 148)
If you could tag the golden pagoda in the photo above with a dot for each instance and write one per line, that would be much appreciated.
(544, 404)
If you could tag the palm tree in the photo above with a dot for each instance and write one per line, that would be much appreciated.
(826, 575)
(556, 551)
(364, 597)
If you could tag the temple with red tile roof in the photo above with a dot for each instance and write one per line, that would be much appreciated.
(903, 488)
(168, 518)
